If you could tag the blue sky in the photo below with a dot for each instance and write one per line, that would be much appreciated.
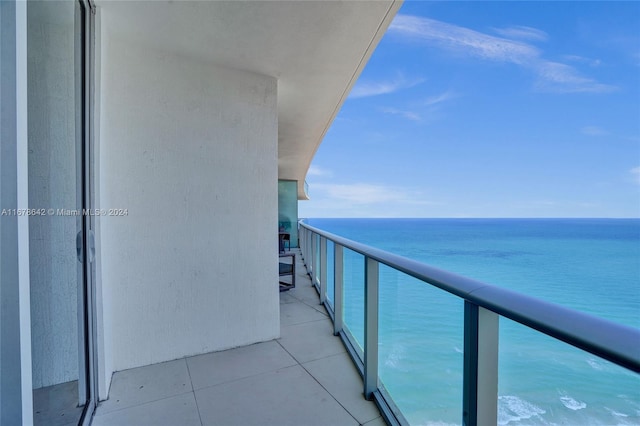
(490, 109)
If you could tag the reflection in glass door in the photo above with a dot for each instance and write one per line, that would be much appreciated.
(59, 272)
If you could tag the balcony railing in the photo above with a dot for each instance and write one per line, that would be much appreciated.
(483, 305)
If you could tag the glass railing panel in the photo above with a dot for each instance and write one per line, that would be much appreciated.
(353, 288)
(421, 345)
(330, 273)
(542, 380)
(316, 273)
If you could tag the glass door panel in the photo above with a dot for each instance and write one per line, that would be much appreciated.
(56, 139)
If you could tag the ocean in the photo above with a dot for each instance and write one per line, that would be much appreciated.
(592, 265)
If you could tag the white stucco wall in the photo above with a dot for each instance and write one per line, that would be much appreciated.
(190, 150)
(52, 184)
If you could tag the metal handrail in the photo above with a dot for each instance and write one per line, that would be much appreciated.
(614, 342)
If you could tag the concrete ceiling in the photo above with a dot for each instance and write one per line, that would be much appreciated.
(316, 50)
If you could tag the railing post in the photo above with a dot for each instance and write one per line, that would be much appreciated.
(309, 238)
(370, 327)
(323, 270)
(338, 268)
(301, 231)
(313, 258)
(480, 382)
(306, 247)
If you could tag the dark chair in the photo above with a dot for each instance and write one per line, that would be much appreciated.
(286, 240)
(286, 268)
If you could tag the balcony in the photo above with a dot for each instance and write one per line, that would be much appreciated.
(241, 94)
(304, 377)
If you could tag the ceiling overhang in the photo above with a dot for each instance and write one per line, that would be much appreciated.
(315, 49)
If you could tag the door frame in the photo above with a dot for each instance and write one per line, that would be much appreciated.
(88, 203)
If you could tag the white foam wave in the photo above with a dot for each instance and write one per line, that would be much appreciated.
(513, 409)
(615, 413)
(631, 401)
(395, 357)
(457, 349)
(571, 403)
(594, 364)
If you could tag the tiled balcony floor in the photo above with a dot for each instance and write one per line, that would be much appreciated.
(304, 378)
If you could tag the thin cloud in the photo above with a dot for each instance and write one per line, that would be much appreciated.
(422, 110)
(318, 171)
(438, 99)
(552, 76)
(364, 193)
(522, 32)
(464, 40)
(635, 173)
(365, 89)
(411, 115)
(593, 131)
(581, 59)
(562, 78)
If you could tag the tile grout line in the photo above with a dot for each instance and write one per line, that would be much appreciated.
(326, 314)
(249, 377)
(142, 404)
(226, 382)
(288, 353)
(316, 380)
(300, 323)
(150, 401)
(346, 409)
(309, 305)
(195, 398)
(314, 359)
(327, 390)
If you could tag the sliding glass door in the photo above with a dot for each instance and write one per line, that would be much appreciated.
(59, 231)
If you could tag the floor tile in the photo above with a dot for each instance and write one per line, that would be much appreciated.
(296, 313)
(146, 384)
(310, 340)
(378, 421)
(340, 378)
(177, 410)
(56, 405)
(308, 295)
(219, 367)
(285, 298)
(285, 397)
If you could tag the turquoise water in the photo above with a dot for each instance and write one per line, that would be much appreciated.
(592, 265)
